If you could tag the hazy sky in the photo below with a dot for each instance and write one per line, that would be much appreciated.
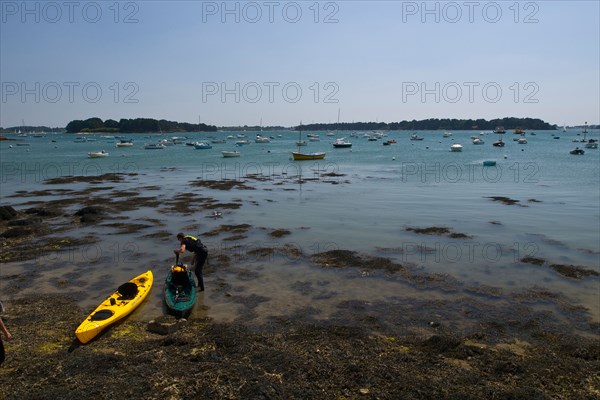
(240, 62)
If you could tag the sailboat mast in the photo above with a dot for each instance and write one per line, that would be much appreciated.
(299, 136)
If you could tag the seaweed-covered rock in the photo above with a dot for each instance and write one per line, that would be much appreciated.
(24, 221)
(17, 232)
(165, 325)
(43, 212)
(91, 214)
(7, 213)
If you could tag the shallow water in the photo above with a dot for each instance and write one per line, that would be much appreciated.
(374, 195)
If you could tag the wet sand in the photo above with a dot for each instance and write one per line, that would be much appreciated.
(482, 342)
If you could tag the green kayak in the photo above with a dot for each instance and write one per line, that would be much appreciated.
(180, 291)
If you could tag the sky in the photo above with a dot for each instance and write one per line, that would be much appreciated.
(230, 63)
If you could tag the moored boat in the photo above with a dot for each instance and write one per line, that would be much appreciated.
(261, 139)
(228, 154)
(577, 151)
(117, 306)
(202, 146)
(456, 147)
(298, 156)
(154, 146)
(125, 143)
(341, 143)
(301, 156)
(97, 154)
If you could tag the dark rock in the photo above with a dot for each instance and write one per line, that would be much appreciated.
(91, 214)
(90, 210)
(7, 213)
(17, 232)
(43, 212)
(25, 222)
(441, 344)
(165, 325)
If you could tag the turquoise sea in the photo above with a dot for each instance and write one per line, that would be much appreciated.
(361, 199)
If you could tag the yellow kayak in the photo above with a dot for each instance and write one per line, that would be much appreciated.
(118, 305)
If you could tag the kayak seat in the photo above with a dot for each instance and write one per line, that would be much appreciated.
(101, 315)
(128, 291)
(181, 299)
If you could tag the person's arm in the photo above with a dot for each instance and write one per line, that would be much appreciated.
(180, 250)
(6, 332)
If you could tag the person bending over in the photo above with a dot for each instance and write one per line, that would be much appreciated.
(195, 246)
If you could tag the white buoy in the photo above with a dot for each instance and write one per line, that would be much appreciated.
(393, 158)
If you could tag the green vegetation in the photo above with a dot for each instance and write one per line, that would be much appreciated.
(138, 125)
(437, 124)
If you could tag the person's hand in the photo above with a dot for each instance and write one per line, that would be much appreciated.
(8, 336)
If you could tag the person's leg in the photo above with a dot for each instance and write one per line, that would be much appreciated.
(1, 351)
(200, 259)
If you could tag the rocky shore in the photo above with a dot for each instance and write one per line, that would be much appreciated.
(295, 358)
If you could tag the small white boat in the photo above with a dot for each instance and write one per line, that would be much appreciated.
(228, 154)
(242, 142)
(415, 137)
(341, 143)
(262, 139)
(154, 146)
(202, 146)
(456, 147)
(125, 143)
(97, 154)
(478, 141)
(522, 141)
(447, 134)
(215, 141)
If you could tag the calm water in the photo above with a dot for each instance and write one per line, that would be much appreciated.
(371, 195)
